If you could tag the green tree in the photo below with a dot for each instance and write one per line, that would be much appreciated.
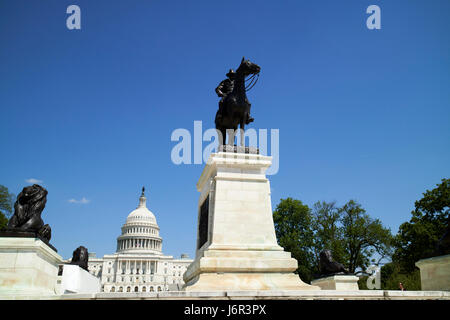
(362, 236)
(351, 235)
(392, 275)
(3, 221)
(327, 232)
(6, 206)
(293, 230)
(417, 239)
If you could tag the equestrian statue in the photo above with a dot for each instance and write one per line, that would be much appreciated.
(234, 107)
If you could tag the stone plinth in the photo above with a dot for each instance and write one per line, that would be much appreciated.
(435, 273)
(337, 282)
(27, 266)
(236, 243)
(77, 280)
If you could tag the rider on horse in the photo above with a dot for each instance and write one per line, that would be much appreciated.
(223, 89)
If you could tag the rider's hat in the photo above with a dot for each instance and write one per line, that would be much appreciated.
(231, 73)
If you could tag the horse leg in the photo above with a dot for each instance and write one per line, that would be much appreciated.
(231, 136)
(242, 129)
(222, 134)
(219, 136)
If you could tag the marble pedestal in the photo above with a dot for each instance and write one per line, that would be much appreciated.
(27, 266)
(337, 282)
(435, 273)
(236, 243)
(77, 280)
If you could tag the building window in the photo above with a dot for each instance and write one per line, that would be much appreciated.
(136, 289)
(113, 289)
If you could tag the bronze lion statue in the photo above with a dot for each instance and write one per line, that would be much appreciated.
(80, 257)
(328, 266)
(27, 212)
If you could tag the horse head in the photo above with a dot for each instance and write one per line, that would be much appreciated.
(247, 68)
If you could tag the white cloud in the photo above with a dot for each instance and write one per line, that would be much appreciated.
(82, 201)
(32, 180)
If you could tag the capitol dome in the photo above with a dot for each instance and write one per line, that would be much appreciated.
(140, 233)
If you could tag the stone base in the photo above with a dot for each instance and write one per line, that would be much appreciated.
(17, 233)
(337, 282)
(237, 247)
(247, 281)
(77, 280)
(435, 273)
(236, 270)
(27, 266)
(238, 149)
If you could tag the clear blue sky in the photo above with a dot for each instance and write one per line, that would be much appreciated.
(363, 114)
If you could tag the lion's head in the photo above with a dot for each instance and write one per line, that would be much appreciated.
(28, 208)
(325, 256)
(33, 196)
(80, 257)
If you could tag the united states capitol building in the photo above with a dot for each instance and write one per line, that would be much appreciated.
(139, 264)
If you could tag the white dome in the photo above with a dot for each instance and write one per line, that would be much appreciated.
(141, 214)
(140, 233)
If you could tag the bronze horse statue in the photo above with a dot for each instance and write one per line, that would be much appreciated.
(236, 106)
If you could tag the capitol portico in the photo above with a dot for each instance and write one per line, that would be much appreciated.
(139, 264)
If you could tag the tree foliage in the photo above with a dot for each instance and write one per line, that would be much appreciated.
(351, 234)
(293, 221)
(327, 232)
(3, 221)
(417, 239)
(6, 205)
(362, 236)
(392, 275)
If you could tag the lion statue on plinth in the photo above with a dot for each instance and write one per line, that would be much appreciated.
(27, 212)
(328, 266)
